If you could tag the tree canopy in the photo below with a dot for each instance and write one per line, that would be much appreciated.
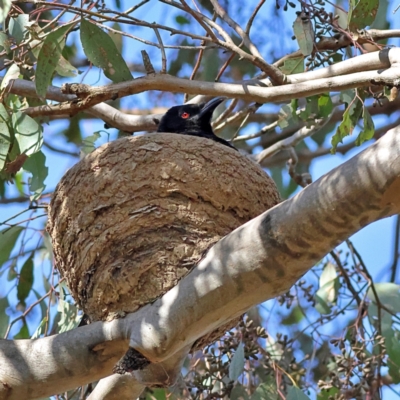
(306, 83)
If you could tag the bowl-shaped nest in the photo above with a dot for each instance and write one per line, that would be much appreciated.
(133, 217)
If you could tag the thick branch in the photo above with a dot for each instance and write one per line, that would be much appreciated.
(256, 262)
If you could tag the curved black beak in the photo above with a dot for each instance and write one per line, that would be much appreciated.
(209, 107)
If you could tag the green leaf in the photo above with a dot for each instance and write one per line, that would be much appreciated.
(88, 144)
(5, 42)
(181, 20)
(5, 6)
(12, 73)
(346, 127)
(267, 390)
(64, 68)
(388, 294)
(4, 318)
(40, 329)
(23, 332)
(238, 393)
(327, 394)
(287, 116)
(48, 58)
(293, 66)
(363, 14)
(43, 304)
(25, 280)
(35, 164)
(325, 105)
(101, 51)
(295, 316)
(236, 366)
(304, 32)
(70, 318)
(5, 137)
(368, 130)
(311, 109)
(8, 237)
(28, 133)
(18, 27)
(321, 305)
(295, 393)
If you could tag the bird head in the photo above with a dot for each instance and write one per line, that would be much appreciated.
(189, 117)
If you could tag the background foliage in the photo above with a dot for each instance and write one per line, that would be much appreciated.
(335, 334)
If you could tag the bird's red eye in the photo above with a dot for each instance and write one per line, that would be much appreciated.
(185, 115)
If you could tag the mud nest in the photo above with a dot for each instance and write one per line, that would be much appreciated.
(133, 217)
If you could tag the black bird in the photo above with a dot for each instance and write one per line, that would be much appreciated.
(193, 120)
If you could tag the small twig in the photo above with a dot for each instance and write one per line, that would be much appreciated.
(302, 180)
(251, 110)
(163, 56)
(148, 66)
(253, 15)
(294, 139)
(224, 67)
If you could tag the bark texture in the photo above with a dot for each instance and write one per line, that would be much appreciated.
(133, 217)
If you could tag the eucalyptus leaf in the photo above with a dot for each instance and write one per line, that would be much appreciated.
(8, 238)
(368, 130)
(236, 366)
(4, 318)
(48, 58)
(362, 14)
(5, 136)
(102, 52)
(304, 32)
(18, 27)
(28, 133)
(25, 281)
(294, 393)
(35, 164)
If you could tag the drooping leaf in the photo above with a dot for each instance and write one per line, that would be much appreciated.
(28, 133)
(101, 51)
(294, 393)
(368, 130)
(293, 66)
(350, 118)
(321, 305)
(25, 280)
(236, 366)
(363, 14)
(325, 105)
(287, 116)
(35, 164)
(8, 237)
(5, 42)
(295, 316)
(4, 318)
(239, 393)
(388, 294)
(88, 144)
(40, 329)
(181, 20)
(23, 332)
(12, 73)
(266, 390)
(5, 137)
(48, 58)
(304, 32)
(69, 317)
(65, 68)
(18, 27)
(5, 6)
